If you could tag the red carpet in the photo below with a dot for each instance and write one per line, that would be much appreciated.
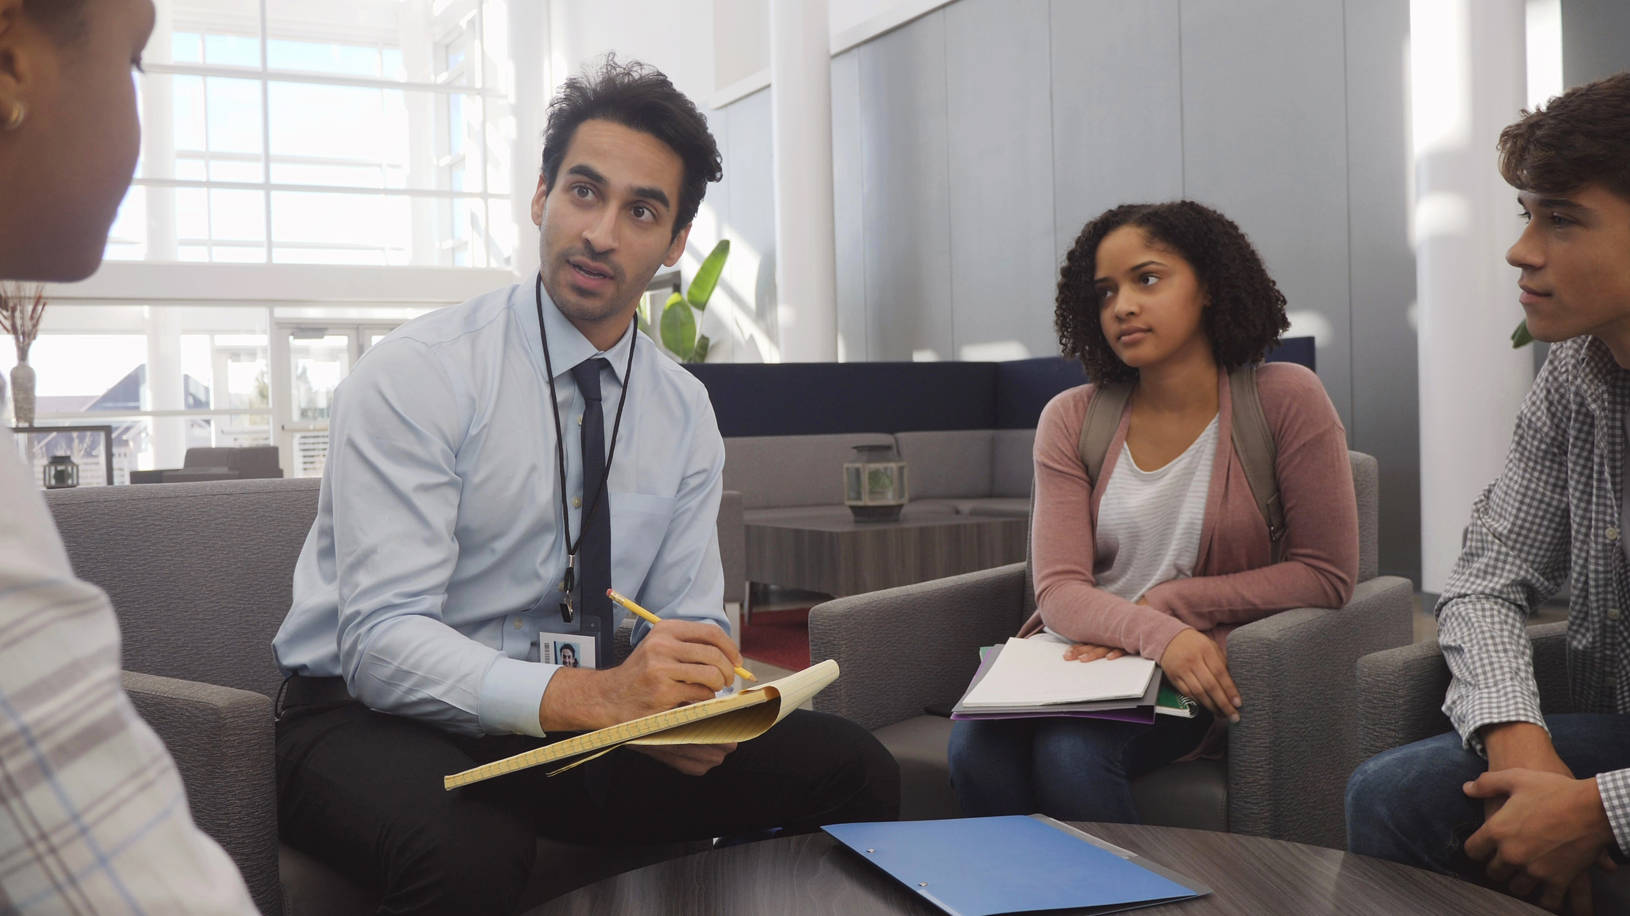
(779, 638)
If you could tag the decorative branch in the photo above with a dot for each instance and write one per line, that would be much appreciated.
(22, 306)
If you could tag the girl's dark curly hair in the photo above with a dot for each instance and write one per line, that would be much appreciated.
(1246, 315)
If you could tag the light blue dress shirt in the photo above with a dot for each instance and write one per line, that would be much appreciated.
(436, 557)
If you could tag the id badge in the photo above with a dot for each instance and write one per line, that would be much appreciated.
(566, 650)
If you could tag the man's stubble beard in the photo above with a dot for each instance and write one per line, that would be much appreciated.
(556, 282)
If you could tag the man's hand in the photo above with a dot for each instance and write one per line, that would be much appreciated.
(690, 759)
(1199, 669)
(1550, 829)
(678, 662)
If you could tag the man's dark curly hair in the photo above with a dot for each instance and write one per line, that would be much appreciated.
(640, 97)
(1246, 315)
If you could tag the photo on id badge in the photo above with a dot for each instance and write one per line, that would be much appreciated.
(570, 652)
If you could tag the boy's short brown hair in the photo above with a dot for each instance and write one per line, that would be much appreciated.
(1581, 137)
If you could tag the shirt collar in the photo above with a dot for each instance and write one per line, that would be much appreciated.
(567, 345)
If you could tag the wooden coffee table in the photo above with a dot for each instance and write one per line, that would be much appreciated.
(815, 876)
(826, 550)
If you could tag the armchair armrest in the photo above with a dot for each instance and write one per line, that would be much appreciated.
(222, 741)
(1294, 748)
(903, 648)
(1401, 691)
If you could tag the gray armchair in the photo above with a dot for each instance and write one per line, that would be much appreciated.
(200, 575)
(1400, 691)
(1288, 760)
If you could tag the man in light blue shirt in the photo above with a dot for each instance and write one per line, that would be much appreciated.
(493, 468)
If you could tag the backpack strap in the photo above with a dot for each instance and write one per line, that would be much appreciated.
(1253, 443)
(1098, 427)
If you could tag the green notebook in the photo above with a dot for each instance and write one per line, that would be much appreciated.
(1172, 703)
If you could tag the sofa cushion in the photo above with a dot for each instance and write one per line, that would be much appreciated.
(1192, 794)
(1013, 463)
(918, 745)
(773, 472)
(947, 464)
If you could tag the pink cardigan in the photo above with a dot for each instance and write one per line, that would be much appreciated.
(1234, 582)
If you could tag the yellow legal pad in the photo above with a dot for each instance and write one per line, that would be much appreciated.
(742, 716)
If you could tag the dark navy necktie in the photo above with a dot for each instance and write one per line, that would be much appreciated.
(594, 550)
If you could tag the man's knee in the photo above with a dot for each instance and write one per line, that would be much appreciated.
(1403, 795)
(470, 859)
(861, 781)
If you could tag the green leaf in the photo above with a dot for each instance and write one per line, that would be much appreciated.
(699, 355)
(1520, 337)
(707, 276)
(678, 327)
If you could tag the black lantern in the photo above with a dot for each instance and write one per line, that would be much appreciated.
(61, 473)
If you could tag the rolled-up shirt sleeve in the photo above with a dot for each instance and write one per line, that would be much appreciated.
(395, 489)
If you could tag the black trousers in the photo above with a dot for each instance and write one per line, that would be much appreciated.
(362, 791)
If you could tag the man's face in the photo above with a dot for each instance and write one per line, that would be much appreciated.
(1575, 261)
(607, 223)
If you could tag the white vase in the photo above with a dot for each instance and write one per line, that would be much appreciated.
(22, 394)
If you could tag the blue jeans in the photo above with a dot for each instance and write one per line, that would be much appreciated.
(1071, 769)
(1406, 804)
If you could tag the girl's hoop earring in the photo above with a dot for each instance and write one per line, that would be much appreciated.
(18, 113)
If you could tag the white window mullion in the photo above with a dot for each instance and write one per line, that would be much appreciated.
(265, 130)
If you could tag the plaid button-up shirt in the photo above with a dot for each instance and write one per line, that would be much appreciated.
(93, 818)
(1553, 515)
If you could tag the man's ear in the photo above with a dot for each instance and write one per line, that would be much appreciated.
(537, 196)
(677, 247)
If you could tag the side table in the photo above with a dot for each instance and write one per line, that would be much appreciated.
(826, 550)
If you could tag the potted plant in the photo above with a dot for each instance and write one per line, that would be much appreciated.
(21, 308)
(679, 319)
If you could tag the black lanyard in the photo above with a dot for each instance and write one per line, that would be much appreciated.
(569, 582)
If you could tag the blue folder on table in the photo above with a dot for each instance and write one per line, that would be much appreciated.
(984, 866)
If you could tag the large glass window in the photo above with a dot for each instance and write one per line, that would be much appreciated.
(313, 132)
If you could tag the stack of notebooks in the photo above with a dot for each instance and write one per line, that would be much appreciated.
(1030, 677)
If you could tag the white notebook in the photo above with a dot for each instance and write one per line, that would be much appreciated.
(1033, 672)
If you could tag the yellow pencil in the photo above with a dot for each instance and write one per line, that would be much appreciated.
(613, 594)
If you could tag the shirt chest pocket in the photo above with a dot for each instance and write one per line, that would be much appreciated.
(638, 525)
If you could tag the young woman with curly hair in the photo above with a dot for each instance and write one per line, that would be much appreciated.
(1166, 551)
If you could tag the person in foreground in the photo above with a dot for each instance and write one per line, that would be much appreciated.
(493, 468)
(1513, 797)
(1167, 551)
(93, 816)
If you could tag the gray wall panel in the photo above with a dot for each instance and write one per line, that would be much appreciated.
(1595, 40)
(1265, 142)
(903, 131)
(1117, 109)
(1385, 420)
(1001, 177)
(848, 196)
(749, 275)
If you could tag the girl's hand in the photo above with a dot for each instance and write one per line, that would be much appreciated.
(1087, 652)
(1199, 669)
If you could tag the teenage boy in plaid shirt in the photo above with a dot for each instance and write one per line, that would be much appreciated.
(1553, 795)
